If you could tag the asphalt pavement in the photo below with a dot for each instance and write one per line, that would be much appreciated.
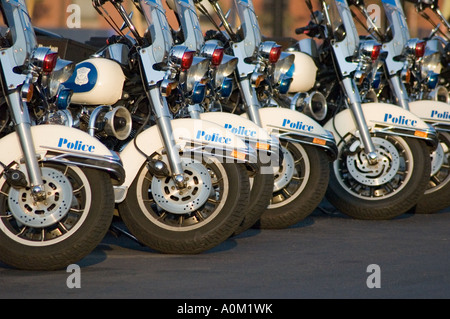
(326, 256)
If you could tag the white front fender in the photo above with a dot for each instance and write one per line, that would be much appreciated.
(190, 135)
(435, 113)
(242, 127)
(383, 117)
(294, 126)
(57, 143)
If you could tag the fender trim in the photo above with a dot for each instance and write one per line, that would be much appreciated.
(382, 118)
(290, 125)
(58, 144)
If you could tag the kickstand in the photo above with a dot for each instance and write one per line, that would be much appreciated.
(119, 231)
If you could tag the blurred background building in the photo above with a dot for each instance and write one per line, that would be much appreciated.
(277, 18)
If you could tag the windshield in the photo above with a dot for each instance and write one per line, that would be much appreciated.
(342, 25)
(396, 22)
(249, 26)
(19, 30)
(158, 28)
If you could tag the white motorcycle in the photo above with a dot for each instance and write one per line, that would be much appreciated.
(187, 186)
(403, 66)
(301, 179)
(56, 182)
(384, 151)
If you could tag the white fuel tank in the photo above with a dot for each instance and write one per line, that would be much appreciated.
(303, 73)
(96, 81)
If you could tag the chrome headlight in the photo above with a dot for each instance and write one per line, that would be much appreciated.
(224, 69)
(431, 63)
(282, 67)
(197, 72)
(61, 73)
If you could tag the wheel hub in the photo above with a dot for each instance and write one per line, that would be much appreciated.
(380, 173)
(286, 172)
(183, 200)
(40, 214)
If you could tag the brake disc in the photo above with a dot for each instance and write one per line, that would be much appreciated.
(382, 172)
(183, 200)
(47, 212)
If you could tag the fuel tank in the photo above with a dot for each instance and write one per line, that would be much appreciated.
(303, 73)
(96, 81)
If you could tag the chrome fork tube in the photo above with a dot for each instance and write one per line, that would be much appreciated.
(162, 115)
(399, 90)
(251, 102)
(19, 111)
(194, 111)
(358, 115)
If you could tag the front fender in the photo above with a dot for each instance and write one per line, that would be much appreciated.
(67, 145)
(250, 132)
(291, 125)
(191, 136)
(384, 118)
(435, 113)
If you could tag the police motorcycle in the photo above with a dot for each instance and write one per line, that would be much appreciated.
(430, 78)
(301, 179)
(403, 66)
(218, 85)
(186, 187)
(384, 151)
(56, 182)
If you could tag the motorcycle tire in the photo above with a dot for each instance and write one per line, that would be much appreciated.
(386, 190)
(61, 230)
(299, 186)
(261, 186)
(165, 221)
(437, 193)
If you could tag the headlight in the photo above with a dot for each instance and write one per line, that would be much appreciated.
(282, 67)
(431, 63)
(197, 72)
(61, 73)
(224, 69)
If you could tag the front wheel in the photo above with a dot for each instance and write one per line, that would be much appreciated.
(62, 229)
(190, 220)
(299, 186)
(384, 190)
(437, 194)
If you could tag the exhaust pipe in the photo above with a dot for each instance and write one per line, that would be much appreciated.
(313, 104)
